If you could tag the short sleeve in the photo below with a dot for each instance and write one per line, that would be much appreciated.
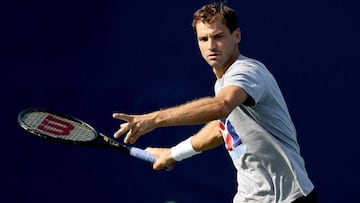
(248, 76)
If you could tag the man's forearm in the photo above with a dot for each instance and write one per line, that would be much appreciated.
(208, 137)
(192, 113)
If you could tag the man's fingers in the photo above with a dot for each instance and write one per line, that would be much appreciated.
(122, 116)
(153, 151)
(129, 138)
(132, 127)
(132, 136)
(163, 158)
(123, 128)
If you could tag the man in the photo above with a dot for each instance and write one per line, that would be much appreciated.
(248, 114)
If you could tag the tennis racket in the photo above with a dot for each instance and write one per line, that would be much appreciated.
(63, 128)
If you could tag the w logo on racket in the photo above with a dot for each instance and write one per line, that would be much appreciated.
(56, 126)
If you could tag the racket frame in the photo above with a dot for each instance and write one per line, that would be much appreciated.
(112, 144)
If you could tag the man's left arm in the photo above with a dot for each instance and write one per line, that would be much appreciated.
(196, 112)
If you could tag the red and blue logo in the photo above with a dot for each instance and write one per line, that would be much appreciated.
(231, 137)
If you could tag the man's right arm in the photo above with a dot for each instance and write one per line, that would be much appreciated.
(207, 138)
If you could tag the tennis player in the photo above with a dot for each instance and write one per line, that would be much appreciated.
(248, 114)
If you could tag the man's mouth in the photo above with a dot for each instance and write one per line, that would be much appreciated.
(213, 56)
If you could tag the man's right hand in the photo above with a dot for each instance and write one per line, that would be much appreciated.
(164, 160)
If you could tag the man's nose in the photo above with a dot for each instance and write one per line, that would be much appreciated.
(211, 44)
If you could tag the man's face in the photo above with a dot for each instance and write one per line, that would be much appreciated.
(217, 45)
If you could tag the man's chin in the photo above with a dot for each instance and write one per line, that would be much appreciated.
(215, 65)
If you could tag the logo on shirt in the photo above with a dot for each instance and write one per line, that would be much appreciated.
(231, 138)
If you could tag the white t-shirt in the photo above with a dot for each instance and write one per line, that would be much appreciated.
(261, 139)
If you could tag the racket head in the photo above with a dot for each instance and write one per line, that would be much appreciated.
(56, 126)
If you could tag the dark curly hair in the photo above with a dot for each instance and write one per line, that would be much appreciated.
(209, 12)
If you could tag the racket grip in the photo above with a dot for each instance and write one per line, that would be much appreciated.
(142, 154)
(146, 156)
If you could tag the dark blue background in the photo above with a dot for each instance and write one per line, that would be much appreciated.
(92, 58)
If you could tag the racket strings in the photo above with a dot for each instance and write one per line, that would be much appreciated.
(58, 126)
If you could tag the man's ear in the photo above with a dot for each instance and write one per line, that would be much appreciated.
(238, 35)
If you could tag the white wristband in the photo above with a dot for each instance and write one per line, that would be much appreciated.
(183, 150)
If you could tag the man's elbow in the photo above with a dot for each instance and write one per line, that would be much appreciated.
(225, 108)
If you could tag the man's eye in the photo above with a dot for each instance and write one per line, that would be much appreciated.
(218, 36)
(203, 39)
